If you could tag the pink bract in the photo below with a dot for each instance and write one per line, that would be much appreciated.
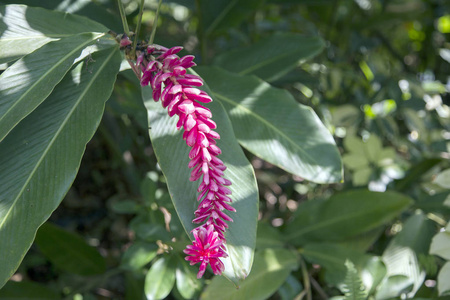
(178, 91)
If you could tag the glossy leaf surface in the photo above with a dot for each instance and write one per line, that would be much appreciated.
(172, 154)
(273, 57)
(344, 215)
(24, 29)
(27, 83)
(269, 123)
(41, 155)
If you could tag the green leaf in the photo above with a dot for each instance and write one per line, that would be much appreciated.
(270, 270)
(27, 83)
(269, 123)
(362, 176)
(69, 251)
(344, 215)
(440, 244)
(172, 154)
(187, 282)
(443, 282)
(26, 290)
(138, 255)
(273, 57)
(332, 258)
(25, 29)
(220, 15)
(290, 288)
(402, 261)
(353, 287)
(393, 286)
(41, 155)
(160, 279)
(443, 179)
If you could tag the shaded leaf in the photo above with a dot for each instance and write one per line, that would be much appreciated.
(269, 123)
(220, 15)
(344, 215)
(270, 270)
(69, 251)
(273, 57)
(27, 83)
(49, 143)
(138, 255)
(393, 286)
(24, 29)
(172, 154)
(443, 179)
(26, 290)
(440, 244)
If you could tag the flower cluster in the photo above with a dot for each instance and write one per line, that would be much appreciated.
(166, 73)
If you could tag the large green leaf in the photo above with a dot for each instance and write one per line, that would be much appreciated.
(24, 29)
(273, 57)
(41, 155)
(344, 215)
(172, 154)
(160, 278)
(270, 270)
(220, 15)
(69, 251)
(269, 123)
(25, 84)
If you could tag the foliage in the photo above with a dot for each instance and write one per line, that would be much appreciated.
(95, 197)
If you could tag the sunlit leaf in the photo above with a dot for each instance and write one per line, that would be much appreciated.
(172, 154)
(49, 143)
(24, 29)
(269, 123)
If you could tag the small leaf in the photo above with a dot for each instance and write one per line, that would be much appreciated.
(355, 161)
(187, 282)
(443, 179)
(344, 215)
(440, 245)
(68, 251)
(290, 288)
(362, 176)
(271, 124)
(393, 286)
(270, 270)
(353, 287)
(443, 282)
(273, 57)
(138, 255)
(40, 157)
(25, 29)
(373, 147)
(160, 279)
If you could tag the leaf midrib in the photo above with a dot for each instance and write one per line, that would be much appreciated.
(334, 220)
(269, 61)
(43, 77)
(268, 124)
(52, 141)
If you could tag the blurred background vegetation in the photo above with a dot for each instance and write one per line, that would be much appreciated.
(381, 86)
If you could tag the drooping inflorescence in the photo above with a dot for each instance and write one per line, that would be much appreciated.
(167, 74)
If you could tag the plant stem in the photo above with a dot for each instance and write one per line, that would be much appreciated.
(155, 23)
(123, 17)
(306, 282)
(138, 28)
